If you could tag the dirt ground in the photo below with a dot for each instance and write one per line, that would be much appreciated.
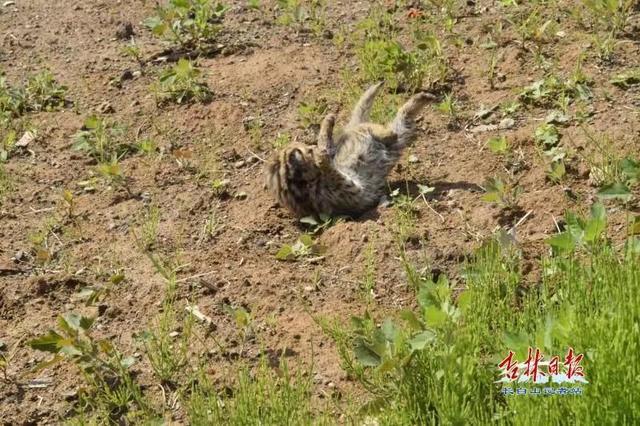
(266, 71)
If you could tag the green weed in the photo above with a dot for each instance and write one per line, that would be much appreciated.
(189, 24)
(112, 394)
(180, 83)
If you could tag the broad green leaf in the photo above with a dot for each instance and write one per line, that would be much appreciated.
(411, 319)
(616, 190)
(562, 242)
(365, 355)
(421, 340)
(127, 362)
(634, 226)
(285, 253)
(597, 224)
(547, 135)
(498, 144)
(434, 316)
(50, 342)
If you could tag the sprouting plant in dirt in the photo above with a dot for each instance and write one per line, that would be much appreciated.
(189, 24)
(281, 140)
(627, 79)
(580, 231)
(243, 323)
(146, 146)
(101, 139)
(111, 172)
(388, 60)
(149, 228)
(547, 136)
(502, 193)
(69, 204)
(112, 393)
(133, 51)
(44, 93)
(531, 25)
(499, 145)
(626, 178)
(40, 93)
(556, 171)
(492, 64)
(97, 293)
(449, 107)
(302, 14)
(548, 90)
(181, 83)
(5, 183)
(212, 225)
(311, 113)
(304, 247)
(253, 4)
(610, 16)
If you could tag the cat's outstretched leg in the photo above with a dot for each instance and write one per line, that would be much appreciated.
(361, 111)
(325, 137)
(404, 123)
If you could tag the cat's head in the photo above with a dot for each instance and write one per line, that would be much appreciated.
(292, 176)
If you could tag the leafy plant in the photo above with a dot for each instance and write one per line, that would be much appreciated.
(40, 93)
(610, 15)
(190, 24)
(281, 140)
(627, 177)
(113, 394)
(180, 84)
(546, 91)
(501, 193)
(580, 231)
(402, 69)
(627, 79)
(449, 107)
(97, 293)
(312, 113)
(100, 139)
(305, 246)
(301, 13)
(547, 136)
(498, 145)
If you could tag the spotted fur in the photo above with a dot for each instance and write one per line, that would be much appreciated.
(345, 176)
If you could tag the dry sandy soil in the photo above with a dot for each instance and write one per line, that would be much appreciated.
(266, 71)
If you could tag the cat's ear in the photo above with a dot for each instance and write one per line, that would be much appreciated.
(361, 111)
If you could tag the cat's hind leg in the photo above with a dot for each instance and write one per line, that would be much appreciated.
(403, 125)
(325, 136)
(361, 111)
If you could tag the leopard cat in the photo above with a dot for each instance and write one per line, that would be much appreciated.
(345, 175)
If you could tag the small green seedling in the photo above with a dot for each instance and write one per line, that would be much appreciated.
(189, 24)
(547, 136)
(112, 387)
(580, 231)
(627, 177)
(100, 139)
(627, 79)
(501, 193)
(281, 140)
(304, 247)
(181, 84)
(498, 145)
(95, 294)
(312, 113)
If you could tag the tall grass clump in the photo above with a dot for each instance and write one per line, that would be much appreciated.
(438, 364)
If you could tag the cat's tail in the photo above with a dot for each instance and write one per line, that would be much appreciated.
(404, 124)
